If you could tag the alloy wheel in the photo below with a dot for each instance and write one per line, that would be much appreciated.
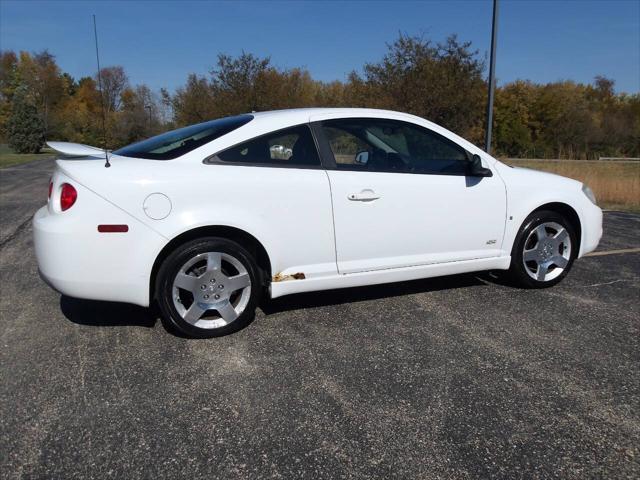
(211, 290)
(547, 251)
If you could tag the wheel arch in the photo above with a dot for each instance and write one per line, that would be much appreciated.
(567, 212)
(238, 235)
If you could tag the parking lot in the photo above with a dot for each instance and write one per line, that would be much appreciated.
(453, 377)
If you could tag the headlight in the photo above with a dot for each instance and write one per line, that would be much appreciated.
(589, 193)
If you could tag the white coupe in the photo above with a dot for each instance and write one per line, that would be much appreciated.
(205, 220)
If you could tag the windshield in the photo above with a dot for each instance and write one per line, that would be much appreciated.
(178, 142)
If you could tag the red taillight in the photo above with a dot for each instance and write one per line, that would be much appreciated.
(50, 188)
(68, 196)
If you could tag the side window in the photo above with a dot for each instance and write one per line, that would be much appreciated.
(379, 145)
(347, 148)
(289, 147)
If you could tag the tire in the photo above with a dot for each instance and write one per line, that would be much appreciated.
(208, 287)
(544, 250)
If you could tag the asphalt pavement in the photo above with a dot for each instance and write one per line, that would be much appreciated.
(454, 377)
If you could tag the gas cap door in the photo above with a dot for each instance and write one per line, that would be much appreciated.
(157, 206)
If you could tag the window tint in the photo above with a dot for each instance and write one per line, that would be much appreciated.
(289, 147)
(379, 145)
(178, 142)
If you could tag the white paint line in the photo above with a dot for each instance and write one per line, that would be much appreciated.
(613, 252)
(605, 283)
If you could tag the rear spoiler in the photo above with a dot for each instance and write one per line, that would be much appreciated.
(68, 149)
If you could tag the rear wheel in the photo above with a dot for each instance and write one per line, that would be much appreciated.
(208, 288)
(544, 250)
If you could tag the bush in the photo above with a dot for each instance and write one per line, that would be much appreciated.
(25, 128)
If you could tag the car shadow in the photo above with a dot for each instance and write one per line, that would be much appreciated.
(373, 292)
(112, 314)
(106, 314)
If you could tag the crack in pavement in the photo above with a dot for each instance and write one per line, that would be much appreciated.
(19, 229)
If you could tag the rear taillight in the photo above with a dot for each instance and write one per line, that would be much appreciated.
(50, 187)
(68, 196)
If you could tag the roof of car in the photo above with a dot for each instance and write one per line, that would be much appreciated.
(271, 121)
(303, 114)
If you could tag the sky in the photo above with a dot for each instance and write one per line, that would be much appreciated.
(161, 42)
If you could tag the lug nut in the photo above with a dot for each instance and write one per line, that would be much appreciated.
(206, 296)
(202, 287)
(213, 280)
(217, 296)
(220, 286)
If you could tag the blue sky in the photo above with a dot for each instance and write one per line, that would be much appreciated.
(159, 43)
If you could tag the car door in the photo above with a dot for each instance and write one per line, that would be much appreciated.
(282, 193)
(402, 196)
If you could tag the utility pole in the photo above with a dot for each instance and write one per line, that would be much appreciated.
(148, 107)
(492, 75)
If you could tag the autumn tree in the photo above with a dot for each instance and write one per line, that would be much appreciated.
(138, 117)
(193, 103)
(441, 81)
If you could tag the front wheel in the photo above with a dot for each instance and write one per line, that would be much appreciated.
(208, 288)
(544, 250)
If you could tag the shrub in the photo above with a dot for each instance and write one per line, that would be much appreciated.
(25, 128)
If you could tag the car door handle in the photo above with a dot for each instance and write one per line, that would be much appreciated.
(366, 195)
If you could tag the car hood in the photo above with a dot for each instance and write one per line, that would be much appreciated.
(533, 177)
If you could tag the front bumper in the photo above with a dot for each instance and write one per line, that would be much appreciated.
(591, 228)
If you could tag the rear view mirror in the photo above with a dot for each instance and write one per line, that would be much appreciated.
(362, 157)
(476, 169)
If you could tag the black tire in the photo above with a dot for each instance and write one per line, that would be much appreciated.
(171, 267)
(517, 272)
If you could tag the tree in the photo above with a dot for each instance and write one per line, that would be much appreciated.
(139, 116)
(45, 85)
(114, 83)
(513, 125)
(8, 83)
(193, 103)
(441, 82)
(25, 128)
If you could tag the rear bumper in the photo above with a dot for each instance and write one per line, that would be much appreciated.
(78, 261)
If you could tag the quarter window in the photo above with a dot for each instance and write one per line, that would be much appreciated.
(289, 147)
(379, 145)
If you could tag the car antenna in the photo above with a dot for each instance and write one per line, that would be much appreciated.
(104, 113)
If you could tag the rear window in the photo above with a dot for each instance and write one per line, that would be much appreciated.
(178, 142)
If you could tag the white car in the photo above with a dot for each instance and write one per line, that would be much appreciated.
(206, 219)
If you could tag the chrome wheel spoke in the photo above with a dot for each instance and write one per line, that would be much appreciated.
(193, 314)
(214, 261)
(530, 255)
(239, 281)
(561, 236)
(560, 261)
(226, 311)
(543, 268)
(186, 282)
(541, 232)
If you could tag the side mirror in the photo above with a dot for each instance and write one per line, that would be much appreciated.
(476, 169)
(362, 157)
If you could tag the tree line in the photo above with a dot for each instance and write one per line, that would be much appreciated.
(441, 81)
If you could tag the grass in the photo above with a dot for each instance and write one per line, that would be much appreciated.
(8, 157)
(615, 184)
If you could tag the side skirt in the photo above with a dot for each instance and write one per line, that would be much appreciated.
(279, 289)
